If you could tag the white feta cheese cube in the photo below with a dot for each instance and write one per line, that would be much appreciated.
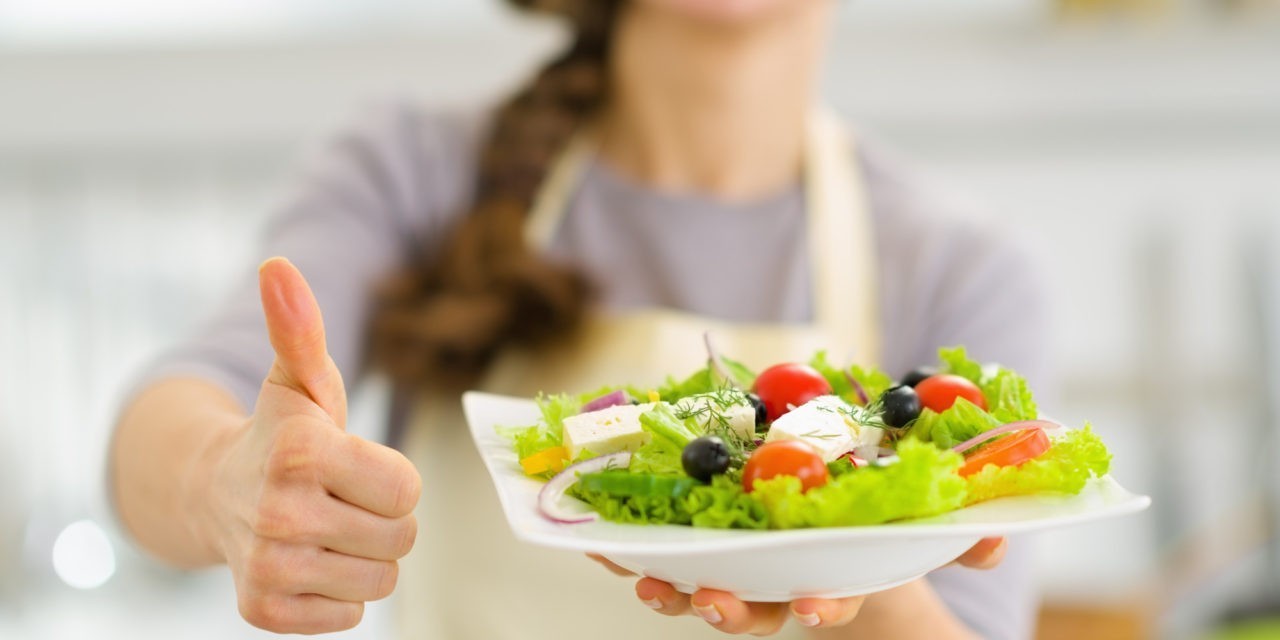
(822, 423)
(722, 411)
(606, 431)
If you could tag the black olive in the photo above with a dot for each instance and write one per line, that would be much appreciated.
(705, 457)
(917, 375)
(901, 406)
(762, 414)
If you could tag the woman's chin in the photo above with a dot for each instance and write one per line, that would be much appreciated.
(727, 11)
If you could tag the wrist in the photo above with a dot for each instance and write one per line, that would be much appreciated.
(197, 486)
(911, 608)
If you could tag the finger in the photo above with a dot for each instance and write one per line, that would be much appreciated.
(348, 578)
(296, 329)
(731, 615)
(662, 597)
(371, 476)
(608, 564)
(356, 532)
(816, 612)
(987, 554)
(307, 613)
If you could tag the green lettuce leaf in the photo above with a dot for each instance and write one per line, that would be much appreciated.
(722, 505)
(962, 421)
(1007, 394)
(924, 482)
(529, 440)
(700, 381)
(550, 431)
(662, 422)
(1071, 460)
(707, 380)
(658, 456)
(669, 435)
(743, 377)
(873, 381)
(835, 377)
(1009, 397)
(956, 360)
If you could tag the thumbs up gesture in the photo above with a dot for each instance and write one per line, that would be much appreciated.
(310, 519)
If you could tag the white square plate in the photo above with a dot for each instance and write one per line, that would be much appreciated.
(825, 562)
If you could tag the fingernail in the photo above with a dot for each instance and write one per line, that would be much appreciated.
(653, 603)
(709, 613)
(807, 619)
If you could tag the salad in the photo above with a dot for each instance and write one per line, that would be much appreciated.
(801, 445)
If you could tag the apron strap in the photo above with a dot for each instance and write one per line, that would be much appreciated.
(841, 245)
(556, 192)
(841, 242)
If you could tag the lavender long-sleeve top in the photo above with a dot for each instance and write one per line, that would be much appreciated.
(387, 190)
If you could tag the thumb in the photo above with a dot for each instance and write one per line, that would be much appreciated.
(296, 330)
(987, 554)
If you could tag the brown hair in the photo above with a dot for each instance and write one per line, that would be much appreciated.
(444, 318)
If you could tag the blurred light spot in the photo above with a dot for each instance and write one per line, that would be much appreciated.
(82, 555)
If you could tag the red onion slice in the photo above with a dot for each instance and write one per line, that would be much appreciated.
(1003, 429)
(886, 456)
(549, 498)
(607, 400)
(863, 398)
(714, 356)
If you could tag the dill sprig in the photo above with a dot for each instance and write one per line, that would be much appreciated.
(708, 411)
(871, 415)
(820, 436)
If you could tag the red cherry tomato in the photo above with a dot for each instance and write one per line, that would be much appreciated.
(789, 384)
(940, 392)
(1008, 452)
(785, 458)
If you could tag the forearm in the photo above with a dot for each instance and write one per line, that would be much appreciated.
(912, 610)
(159, 460)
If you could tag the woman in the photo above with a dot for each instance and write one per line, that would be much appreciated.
(669, 173)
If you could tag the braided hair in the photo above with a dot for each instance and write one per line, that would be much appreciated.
(444, 318)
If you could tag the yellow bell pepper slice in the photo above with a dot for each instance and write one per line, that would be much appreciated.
(553, 459)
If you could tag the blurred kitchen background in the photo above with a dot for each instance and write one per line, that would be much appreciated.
(142, 144)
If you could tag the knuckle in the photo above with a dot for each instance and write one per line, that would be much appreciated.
(295, 453)
(276, 519)
(302, 342)
(265, 612)
(385, 581)
(349, 617)
(262, 569)
(326, 379)
(406, 535)
(407, 489)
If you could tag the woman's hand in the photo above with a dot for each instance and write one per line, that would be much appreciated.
(310, 519)
(731, 615)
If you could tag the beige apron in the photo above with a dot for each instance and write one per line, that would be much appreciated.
(468, 578)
